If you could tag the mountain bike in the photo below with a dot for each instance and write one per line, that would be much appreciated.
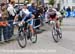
(56, 32)
(25, 34)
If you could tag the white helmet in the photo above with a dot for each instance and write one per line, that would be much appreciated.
(26, 1)
(50, 6)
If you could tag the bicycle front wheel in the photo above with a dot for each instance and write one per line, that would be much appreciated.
(22, 40)
(55, 35)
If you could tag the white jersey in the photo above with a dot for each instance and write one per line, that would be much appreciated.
(51, 12)
(52, 9)
(26, 11)
(58, 14)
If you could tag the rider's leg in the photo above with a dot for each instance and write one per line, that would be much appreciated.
(31, 26)
(31, 23)
(57, 24)
(32, 30)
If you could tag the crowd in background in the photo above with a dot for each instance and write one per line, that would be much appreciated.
(8, 13)
(69, 12)
(6, 20)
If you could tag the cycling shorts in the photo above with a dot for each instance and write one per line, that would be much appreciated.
(53, 16)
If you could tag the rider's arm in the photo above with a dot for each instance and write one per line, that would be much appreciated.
(58, 14)
(24, 19)
(32, 16)
(47, 13)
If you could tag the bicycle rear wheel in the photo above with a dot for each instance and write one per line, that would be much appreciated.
(33, 40)
(60, 33)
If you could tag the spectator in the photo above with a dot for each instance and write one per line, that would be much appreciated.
(3, 22)
(12, 13)
(33, 8)
(69, 11)
(41, 13)
(64, 8)
(0, 28)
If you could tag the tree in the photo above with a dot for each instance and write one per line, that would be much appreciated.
(51, 2)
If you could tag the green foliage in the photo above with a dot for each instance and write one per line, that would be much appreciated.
(51, 2)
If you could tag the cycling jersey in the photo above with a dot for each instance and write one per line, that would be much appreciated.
(51, 13)
(27, 15)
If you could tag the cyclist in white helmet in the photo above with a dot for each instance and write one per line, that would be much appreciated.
(52, 14)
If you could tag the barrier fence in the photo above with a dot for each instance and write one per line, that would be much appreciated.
(6, 33)
(70, 14)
